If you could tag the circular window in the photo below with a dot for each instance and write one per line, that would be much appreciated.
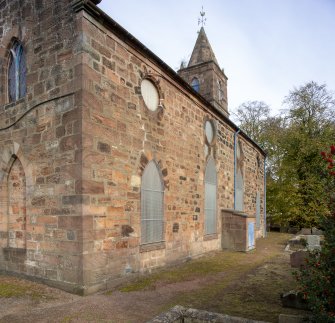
(150, 94)
(209, 131)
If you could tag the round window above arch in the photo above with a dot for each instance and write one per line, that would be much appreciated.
(210, 132)
(150, 94)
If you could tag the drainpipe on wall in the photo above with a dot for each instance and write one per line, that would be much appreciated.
(235, 163)
(265, 233)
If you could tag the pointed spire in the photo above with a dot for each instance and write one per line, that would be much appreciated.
(202, 51)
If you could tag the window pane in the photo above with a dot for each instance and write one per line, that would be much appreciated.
(22, 72)
(17, 70)
(150, 94)
(11, 79)
(209, 130)
(210, 197)
(239, 190)
(258, 210)
(152, 207)
(195, 84)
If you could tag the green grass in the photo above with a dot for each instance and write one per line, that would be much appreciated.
(185, 272)
(8, 290)
(216, 262)
(12, 287)
(238, 284)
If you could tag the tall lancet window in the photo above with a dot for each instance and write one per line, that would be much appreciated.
(210, 197)
(152, 204)
(17, 71)
(239, 184)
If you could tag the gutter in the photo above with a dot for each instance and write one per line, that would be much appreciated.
(265, 233)
(235, 163)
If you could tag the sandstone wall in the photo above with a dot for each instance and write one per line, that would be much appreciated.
(123, 136)
(40, 144)
(73, 151)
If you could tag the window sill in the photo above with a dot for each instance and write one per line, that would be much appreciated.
(210, 236)
(152, 246)
(11, 104)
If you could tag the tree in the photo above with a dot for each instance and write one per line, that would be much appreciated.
(298, 194)
(254, 119)
(250, 116)
(295, 185)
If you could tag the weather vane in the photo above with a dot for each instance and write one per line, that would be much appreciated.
(202, 20)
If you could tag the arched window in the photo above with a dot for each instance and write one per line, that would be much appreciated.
(258, 210)
(17, 71)
(16, 206)
(239, 185)
(210, 197)
(195, 84)
(152, 204)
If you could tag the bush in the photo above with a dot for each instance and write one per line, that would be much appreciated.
(317, 278)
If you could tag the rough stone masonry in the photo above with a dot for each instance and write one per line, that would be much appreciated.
(80, 136)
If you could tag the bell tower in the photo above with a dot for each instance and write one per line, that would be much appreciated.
(204, 74)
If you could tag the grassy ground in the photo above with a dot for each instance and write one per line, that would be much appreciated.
(240, 284)
(11, 287)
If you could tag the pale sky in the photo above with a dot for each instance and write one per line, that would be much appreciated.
(266, 47)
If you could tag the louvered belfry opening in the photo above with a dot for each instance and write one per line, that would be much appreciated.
(195, 84)
(152, 205)
(17, 71)
(210, 197)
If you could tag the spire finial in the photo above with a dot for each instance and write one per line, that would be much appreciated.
(202, 19)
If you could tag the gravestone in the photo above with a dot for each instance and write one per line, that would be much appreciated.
(294, 299)
(313, 242)
(297, 259)
(317, 231)
(305, 231)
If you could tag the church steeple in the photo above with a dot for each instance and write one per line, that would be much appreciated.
(202, 51)
(204, 74)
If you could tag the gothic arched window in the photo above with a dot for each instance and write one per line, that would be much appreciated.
(195, 84)
(152, 204)
(17, 71)
(239, 184)
(16, 206)
(210, 197)
(258, 210)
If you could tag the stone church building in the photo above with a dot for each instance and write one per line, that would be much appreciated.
(111, 163)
